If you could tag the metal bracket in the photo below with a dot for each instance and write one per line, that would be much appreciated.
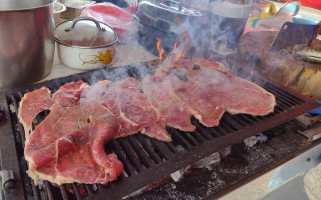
(312, 133)
(7, 179)
(306, 120)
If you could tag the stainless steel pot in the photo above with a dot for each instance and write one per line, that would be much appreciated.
(27, 41)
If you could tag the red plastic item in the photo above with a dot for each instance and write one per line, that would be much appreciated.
(310, 3)
(119, 19)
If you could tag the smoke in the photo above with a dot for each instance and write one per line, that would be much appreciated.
(211, 36)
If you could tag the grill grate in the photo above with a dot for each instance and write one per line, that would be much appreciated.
(145, 159)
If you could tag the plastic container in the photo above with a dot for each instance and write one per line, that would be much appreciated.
(119, 19)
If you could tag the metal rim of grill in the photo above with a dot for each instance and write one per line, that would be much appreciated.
(145, 160)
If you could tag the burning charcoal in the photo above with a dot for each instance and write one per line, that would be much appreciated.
(178, 175)
(206, 162)
(252, 141)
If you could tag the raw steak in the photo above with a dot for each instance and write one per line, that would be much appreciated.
(208, 90)
(30, 105)
(131, 108)
(175, 63)
(69, 93)
(177, 114)
(79, 157)
(238, 95)
(196, 98)
(39, 100)
(68, 146)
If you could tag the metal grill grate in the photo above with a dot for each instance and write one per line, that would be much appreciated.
(145, 159)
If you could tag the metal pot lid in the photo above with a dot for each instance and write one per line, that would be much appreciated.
(85, 32)
(166, 15)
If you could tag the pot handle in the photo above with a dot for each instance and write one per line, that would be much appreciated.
(63, 7)
(84, 18)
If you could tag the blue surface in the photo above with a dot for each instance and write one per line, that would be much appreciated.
(304, 21)
(316, 111)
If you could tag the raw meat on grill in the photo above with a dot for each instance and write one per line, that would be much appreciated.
(196, 98)
(39, 100)
(178, 63)
(131, 108)
(69, 93)
(68, 146)
(30, 105)
(209, 90)
(238, 95)
(177, 114)
(80, 157)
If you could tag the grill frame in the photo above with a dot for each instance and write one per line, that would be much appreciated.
(162, 158)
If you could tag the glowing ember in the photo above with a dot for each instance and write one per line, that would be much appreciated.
(161, 51)
(179, 47)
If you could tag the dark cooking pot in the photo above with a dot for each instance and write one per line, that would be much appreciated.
(27, 41)
(166, 20)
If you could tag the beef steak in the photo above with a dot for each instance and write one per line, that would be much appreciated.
(177, 114)
(69, 93)
(30, 105)
(68, 145)
(124, 99)
(208, 90)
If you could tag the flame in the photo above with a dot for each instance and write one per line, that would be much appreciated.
(180, 46)
(178, 50)
(160, 50)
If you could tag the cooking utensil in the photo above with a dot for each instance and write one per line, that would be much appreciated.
(292, 33)
(166, 20)
(58, 9)
(166, 16)
(310, 55)
(84, 43)
(228, 22)
(27, 41)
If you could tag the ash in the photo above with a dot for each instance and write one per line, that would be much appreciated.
(237, 163)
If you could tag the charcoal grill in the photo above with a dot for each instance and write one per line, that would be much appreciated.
(145, 159)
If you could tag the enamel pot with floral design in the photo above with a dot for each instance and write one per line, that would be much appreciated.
(84, 43)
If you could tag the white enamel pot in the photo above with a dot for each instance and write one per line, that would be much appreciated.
(84, 43)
